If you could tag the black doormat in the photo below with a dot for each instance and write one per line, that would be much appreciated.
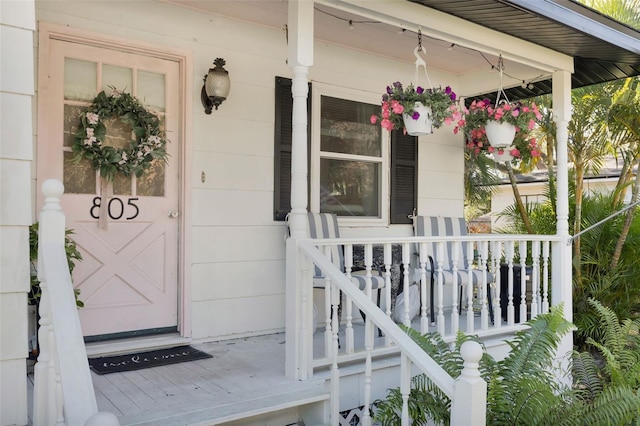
(140, 360)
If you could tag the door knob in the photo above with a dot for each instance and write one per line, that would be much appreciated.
(173, 213)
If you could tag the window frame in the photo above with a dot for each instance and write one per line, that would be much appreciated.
(323, 89)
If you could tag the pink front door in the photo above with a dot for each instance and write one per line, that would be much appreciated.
(128, 278)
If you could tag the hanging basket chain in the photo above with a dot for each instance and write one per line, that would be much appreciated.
(420, 62)
(500, 69)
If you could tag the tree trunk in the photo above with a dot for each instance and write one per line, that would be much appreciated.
(577, 223)
(516, 194)
(627, 221)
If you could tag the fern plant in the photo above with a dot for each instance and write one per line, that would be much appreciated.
(523, 388)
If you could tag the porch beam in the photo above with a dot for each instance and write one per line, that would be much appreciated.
(451, 29)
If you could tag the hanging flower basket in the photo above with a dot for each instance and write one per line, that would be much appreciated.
(500, 134)
(514, 120)
(422, 124)
(416, 110)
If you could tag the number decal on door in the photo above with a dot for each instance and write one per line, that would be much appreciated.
(116, 208)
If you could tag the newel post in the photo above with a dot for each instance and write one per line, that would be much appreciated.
(469, 405)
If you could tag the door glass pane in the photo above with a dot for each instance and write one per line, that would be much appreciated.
(151, 183)
(349, 188)
(71, 120)
(121, 184)
(347, 129)
(79, 178)
(119, 77)
(119, 133)
(79, 80)
(151, 90)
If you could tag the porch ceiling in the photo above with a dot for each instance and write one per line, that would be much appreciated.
(603, 49)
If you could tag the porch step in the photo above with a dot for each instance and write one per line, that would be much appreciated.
(252, 409)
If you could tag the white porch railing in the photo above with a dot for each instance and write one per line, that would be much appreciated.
(63, 389)
(488, 309)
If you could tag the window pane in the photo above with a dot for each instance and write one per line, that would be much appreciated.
(151, 183)
(349, 188)
(347, 129)
(118, 77)
(151, 90)
(78, 178)
(79, 79)
(71, 120)
(121, 184)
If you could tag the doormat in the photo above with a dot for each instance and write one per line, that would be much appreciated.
(140, 360)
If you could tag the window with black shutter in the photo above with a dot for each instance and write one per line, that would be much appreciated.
(404, 153)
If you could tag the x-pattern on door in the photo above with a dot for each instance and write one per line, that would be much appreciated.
(128, 277)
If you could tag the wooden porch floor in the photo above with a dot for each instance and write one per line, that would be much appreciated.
(245, 377)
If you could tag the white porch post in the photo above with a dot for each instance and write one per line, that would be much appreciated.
(17, 26)
(300, 26)
(562, 286)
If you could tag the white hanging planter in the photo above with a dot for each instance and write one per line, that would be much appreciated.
(421, 126)
(502, 155)
(500, 135)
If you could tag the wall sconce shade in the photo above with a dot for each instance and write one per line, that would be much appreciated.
(216, 86)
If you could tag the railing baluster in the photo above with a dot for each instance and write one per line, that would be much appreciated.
(44, 396)
(455, 317)
(535, 278)
(348, 332)
(424, 322)
(335, 372)
(406, 259)
(523, 281)
(440, 305)
(387, 286)
(496, 258)
(327, 307)
(509, 255)
(368, 344)
(470, 287)
(483, 250)
(405, 387)
(545, 277)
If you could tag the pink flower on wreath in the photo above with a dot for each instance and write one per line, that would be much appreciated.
(92, 118)
(515, 152)
(373, 119)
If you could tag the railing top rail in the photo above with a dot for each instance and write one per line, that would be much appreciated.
(430, 239)
(402, 340)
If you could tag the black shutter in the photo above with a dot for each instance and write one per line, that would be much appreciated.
(282, 146)
(404, 176)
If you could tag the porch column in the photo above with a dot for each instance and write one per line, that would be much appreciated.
(300, 58)
(17, 26)
(562, 285)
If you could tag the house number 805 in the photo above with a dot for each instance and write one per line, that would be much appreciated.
(115, 208)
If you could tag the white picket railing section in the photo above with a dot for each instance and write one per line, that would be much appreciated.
(528, 256)
(63, 389)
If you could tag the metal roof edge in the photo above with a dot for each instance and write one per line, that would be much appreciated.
(585, 20)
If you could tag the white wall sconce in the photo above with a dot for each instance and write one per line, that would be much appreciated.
(216, 86)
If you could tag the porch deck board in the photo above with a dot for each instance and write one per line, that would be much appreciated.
(242, 373)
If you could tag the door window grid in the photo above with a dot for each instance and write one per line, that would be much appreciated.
(81, 79)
